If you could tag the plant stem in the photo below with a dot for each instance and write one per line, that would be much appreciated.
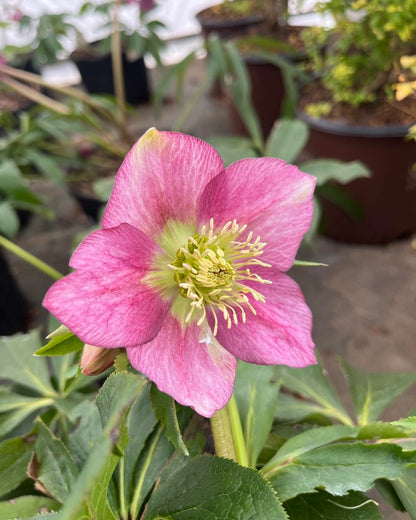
(117, 65)
(31, 259)
(123, 507)
(228, 434)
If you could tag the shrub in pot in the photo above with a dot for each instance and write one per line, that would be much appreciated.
(353, 113)
(95, 60)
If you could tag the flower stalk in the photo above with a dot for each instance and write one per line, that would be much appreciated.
(228, 434)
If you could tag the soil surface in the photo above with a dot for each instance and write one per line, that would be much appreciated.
(381, 113)
(232, 11)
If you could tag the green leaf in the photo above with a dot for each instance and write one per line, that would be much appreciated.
(309, 440)
(232, 149)
(115, 398)
(19, 366)
(330, 169)
(287, 139)
(256, 392)
(103, 188)
(61, 345)
(372, 393)
(23, 506)
(405, 487)
(387, 491)
(82, 439)
(9, 221)
(57, 471)
(164, 408)
(45, 165)
(338, 196)
(14, 459)
(11, 419)
(323, 506)
(340, 468)
(214, 488)
(293, 410)
(311, 382)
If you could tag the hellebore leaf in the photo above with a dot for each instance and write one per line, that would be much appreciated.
(372, 393)
(61, 345)
(164, 408)
(215, 488)
(232, 149)
(14, 458)
(405, 487)
(18, 364)
(323, 506)
(330, 169)
(340, 468)
(287, 139)
(23, 506)
(256, 392)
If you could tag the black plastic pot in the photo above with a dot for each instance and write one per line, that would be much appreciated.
(387, 198)
(13, 307)
(97, 76)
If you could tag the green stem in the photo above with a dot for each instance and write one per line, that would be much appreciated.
(138, 490)
(123, 507)
(30, 259)
(228, 434)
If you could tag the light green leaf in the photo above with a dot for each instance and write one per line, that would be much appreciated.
(323, 506)
(372, 393)
(103, 188)
(405, 487)
(164, 408)
(293, 410)
(232, 149)
(23, 506)
(331, 169)
(57, 471)
(9, 221)
(61, 345)
(10, 420)
(19, 365)
(210, 487)
(14, 458)
(312, 383)
(14, 185)
(339, 468)
(287, 139)
(256, 391)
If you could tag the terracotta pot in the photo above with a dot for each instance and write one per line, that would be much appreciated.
(387, 198)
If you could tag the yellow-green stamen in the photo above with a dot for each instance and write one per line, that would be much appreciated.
(211, 268)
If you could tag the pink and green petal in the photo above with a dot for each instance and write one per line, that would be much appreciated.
(189, 365)
(161, 180)
(273, 198)
(280, 332)
(106, 302)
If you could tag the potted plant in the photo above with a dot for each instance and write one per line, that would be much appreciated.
(353, 112)
(95, 60)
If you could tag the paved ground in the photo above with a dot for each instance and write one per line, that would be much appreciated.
(363, 303)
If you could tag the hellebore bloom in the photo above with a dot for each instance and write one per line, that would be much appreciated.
(95, 360)
(188, 270)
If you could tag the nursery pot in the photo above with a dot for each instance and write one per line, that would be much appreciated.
(227, 28)
(97, 77)
(388, 198)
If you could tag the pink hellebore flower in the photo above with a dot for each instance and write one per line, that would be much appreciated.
(178, 274)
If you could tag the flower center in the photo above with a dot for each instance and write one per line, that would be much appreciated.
(211, 270)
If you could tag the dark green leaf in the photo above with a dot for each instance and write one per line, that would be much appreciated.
(57, 471)
(164, 408)
(287, 139)
(340, 468)
(405, 487)
(9, 221)
(323, 506)
(372, 393)
(387, 491)
(14, 459)
(45, 164)
(256, 392)
(214, 488)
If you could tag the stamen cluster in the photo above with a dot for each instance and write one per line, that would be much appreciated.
(211, 269)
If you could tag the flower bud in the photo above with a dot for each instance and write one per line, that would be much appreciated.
(95, 360)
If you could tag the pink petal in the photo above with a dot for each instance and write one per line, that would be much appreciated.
(188, 364)
(161, 178)
(273, 198)
(105, 302)
(280, 332)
